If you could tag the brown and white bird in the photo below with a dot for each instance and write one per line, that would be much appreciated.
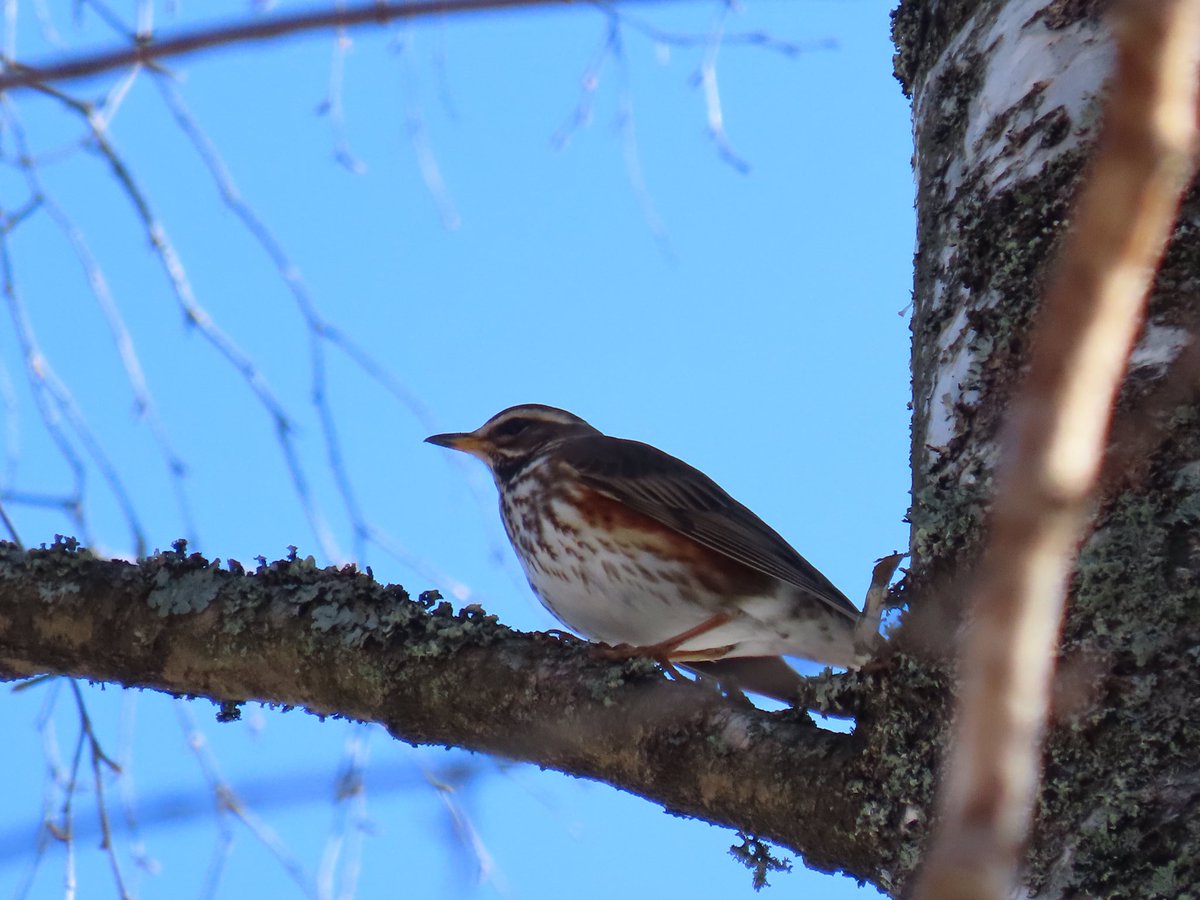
(628, 545)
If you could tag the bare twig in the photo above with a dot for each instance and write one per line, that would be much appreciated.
(343, 848)
(99, 759)
(10, 28)
(10, 527)
(135, 845)
(258, 29)
(55, 777)
(763, 40)
(321, 332)
(282, 791)
(56, 404)
(418, 136)
(332, 105)
(1055, 445)
(12, 426)
(49, 395)
(46, 24)
(318, 330)
(629, 145)
(230, 804)
(589, 82)
(707, 77)
(64, 829)
(144, 402)
(466, 836)
(198, 317)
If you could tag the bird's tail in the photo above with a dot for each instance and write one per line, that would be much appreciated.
(770, 676)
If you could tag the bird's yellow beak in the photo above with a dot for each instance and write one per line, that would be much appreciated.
(465, 441)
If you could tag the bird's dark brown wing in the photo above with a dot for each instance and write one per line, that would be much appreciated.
(670, 491)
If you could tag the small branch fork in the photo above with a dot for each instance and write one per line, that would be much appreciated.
(1055, 445)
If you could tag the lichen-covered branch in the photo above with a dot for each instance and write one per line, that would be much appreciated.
(338, 643)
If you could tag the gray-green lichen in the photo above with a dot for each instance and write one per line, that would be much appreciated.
(187, 593)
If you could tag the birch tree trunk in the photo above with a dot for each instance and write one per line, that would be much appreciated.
(1005, 106)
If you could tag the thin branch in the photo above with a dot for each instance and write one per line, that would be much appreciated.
(418, 136)
(99, 759)
(12, 426)
(10, 29)
(125, 788)
(46, 24)
(64, 830)
(229, 803)
(266, 28)
(472, 849)
(10, 527)
(343, 847)
(332, 105)
(56, 403)
(321, 332)
(198, 317)
(318, 330)
(53, 780)
(589, 82)
(280, 791)
(459, 590)
(144, 402)
(715, 115)
(626, 127)
(758, 39)
(1057, 437)
(37, 372)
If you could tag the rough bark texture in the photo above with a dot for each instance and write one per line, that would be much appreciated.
(338, 643)
(1005, 99)
(1005, 103)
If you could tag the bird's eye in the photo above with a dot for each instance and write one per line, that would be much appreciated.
(513, 427)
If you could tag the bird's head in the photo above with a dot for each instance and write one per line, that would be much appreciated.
(511, 438)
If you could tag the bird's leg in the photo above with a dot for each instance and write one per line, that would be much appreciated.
(866, 631)
(664, 651)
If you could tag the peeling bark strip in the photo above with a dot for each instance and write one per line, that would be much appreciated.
(337, 643)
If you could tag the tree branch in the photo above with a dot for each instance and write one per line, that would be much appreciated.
(1057, 439)
(240, 32)
(338, 643)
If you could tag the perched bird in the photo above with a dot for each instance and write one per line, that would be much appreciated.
(630, 546)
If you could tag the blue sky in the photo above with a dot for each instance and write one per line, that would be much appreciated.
(760, 333)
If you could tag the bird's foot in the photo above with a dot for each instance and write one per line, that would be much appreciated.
(627, 652)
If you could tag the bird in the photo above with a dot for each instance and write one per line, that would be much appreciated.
(631, 547)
